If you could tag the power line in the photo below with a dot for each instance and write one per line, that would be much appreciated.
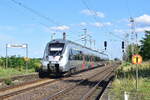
(35, 12)
(39, 15)
(128, 9)
(116, 36)
(94, 17)
(91, 11)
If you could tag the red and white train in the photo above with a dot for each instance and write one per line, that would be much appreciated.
(64, 56)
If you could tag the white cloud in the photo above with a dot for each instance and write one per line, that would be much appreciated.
(83, 24)
(119, 31)
(143, 29)
(144, 19)
(108, 24)
(139, 30)
(60, 28)
(99, 24)
(93, 13)
(142, 23)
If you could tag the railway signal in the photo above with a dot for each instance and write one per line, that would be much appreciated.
(105, 44)
(122, 46)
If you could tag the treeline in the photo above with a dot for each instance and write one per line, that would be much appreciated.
(143, 49)
(20, 63)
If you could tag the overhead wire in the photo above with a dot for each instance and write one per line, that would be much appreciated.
(92, 11)
(128, 9)
(36, 12)
(131, 20)
(95, 18)
(46, 17)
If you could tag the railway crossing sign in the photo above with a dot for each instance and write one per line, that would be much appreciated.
(136, 59)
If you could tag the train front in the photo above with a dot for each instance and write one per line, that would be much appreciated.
(53, 58)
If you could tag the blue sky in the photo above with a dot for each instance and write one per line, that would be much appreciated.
(104, 19)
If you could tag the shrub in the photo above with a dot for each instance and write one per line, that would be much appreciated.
(8, 81)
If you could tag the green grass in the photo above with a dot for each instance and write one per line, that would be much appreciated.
(126, 81)
(9, 72)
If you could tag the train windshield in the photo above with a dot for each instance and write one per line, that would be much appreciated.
(55, 49)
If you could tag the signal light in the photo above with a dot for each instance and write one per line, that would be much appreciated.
(105, 44)
(122, 44)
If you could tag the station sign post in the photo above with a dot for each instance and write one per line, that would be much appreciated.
(17, 46)
(136, 59)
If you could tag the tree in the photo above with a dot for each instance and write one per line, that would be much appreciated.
(145, 46)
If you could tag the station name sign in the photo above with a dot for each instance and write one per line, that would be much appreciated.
(16, 45)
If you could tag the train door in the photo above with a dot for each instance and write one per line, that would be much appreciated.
(83, 62)
(92, 61)
(70, 59)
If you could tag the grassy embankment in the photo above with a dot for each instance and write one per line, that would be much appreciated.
(126, 81)
(17, 66)
(9, 72)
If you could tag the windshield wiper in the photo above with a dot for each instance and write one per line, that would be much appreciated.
(56, 53)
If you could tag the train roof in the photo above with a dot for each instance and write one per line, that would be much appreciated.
(68, 41)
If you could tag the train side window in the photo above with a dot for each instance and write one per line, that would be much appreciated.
(75, 55)
(70, 55)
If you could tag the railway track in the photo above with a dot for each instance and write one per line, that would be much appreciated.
(89, 85)
(21, 88)
(14, 90)
(16, 80)
(45, 89)
(90, 94)
(18, 77)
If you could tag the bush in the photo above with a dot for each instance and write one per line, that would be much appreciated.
(20, 63)
(8, 81)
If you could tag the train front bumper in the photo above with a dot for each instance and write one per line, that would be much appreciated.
(53, 67)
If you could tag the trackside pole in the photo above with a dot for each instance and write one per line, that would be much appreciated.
(136, 77)
(136, 74)
(26, 57)
(6, 58)
(136, 59)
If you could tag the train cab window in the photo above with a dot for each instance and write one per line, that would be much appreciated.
(55, 49)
